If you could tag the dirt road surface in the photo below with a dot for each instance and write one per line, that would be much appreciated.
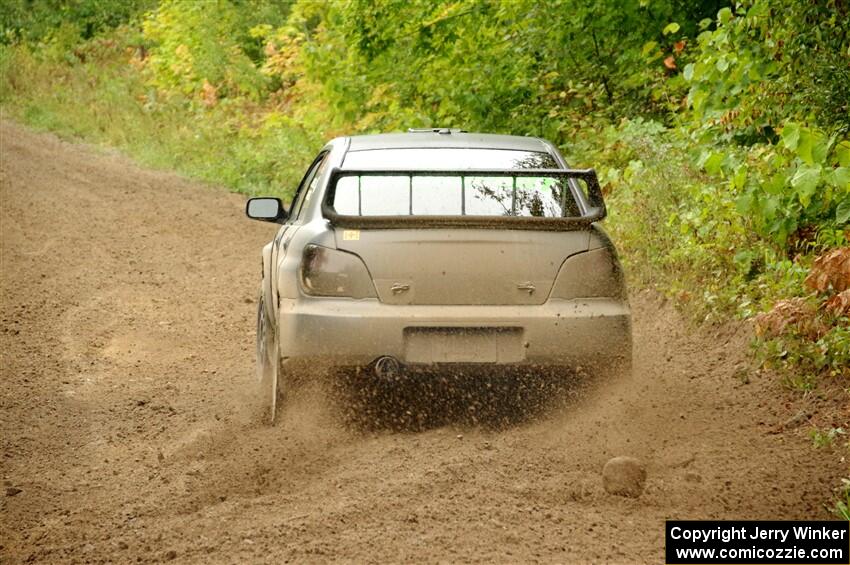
(130, 432)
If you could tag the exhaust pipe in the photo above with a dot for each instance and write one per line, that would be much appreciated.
(387, 368)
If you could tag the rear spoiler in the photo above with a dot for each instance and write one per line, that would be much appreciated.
(592, 203)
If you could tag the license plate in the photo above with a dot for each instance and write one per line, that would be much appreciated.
(463, 345)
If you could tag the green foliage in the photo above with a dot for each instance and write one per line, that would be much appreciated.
(518, 67)
(797, 186)
(766, 98)
(802, 360)
(198, 45)
(826, 438)
(43, 20)
(769, 61)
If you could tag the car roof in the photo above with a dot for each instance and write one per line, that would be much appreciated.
(442, 138)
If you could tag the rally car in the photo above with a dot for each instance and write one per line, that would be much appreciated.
(442, 250)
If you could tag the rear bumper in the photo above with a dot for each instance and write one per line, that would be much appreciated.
(593, 332)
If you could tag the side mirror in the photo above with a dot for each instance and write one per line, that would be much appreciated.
(265, 209)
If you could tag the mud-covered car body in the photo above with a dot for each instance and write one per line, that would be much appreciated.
(440, 249)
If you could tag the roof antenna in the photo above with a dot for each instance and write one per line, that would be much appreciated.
(442, 131)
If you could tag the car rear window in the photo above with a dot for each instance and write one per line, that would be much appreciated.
(451, 194)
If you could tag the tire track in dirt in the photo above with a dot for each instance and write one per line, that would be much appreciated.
(129, 423)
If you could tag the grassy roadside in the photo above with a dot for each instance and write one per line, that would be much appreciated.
(678, 224)
(99, 96)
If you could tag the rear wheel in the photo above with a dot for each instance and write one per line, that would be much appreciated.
(268, 362)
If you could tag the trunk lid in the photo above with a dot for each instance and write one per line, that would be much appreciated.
(461, 265)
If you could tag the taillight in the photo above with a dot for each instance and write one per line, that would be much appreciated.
(591, 274)
(330, 272)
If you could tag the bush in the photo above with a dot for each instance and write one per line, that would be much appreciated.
(196, 47)
(39, 21)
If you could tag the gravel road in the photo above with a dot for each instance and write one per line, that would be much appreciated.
(129, 426)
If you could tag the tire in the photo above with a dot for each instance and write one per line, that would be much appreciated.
(268, 363)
